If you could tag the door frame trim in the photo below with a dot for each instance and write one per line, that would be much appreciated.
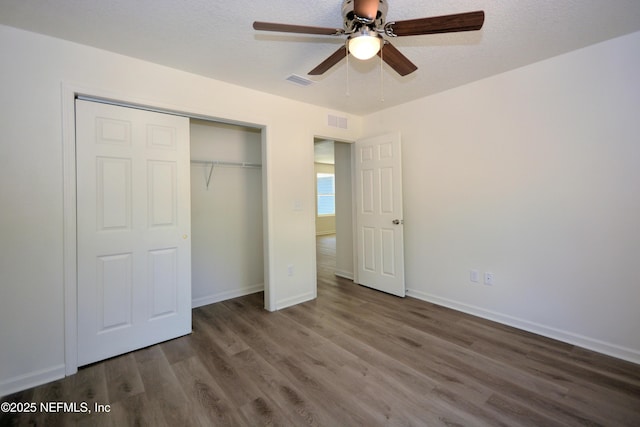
(69, 93)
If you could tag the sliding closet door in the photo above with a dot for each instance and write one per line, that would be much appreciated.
(133, 211)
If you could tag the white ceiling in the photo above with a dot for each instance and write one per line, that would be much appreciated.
(215, 38)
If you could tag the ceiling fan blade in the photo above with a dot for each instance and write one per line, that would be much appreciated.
(396, 60)
(329, 62)
(302, 29)
(367, 9)
(469, 21)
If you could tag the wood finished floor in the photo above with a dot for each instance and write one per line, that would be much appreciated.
(352, 357)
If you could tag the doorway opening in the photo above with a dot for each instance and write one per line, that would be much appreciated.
(334, 207)
(375, 253)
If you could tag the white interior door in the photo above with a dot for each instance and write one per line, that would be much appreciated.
(133, 220)
(379, 223)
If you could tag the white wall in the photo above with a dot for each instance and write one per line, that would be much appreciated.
(325, 224)
(226, 216)
(33, 72)
(533, 175)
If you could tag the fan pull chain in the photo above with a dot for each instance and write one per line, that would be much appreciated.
(347, 46)
(381, 74)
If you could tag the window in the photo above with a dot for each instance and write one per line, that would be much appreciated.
(326, 193)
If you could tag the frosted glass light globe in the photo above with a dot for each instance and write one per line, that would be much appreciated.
(364, 46)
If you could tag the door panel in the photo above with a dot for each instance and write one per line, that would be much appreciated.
(162, 205)
(133, 216)
(380, 246)
(115, 285)
(366, 191)
(113, 193)
(368, 249)
(163, 282)
(388, 238)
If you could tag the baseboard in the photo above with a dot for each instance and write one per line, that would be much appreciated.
(325, 233)
(32, 379)
(593, 344)
(223, 296)
(298, 299)
(344, 274)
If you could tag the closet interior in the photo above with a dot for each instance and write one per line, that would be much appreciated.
(227, 258)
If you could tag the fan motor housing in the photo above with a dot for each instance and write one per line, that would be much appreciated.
(350, 22)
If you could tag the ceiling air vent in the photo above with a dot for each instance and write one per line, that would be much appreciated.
(299, 80)
(337, 121)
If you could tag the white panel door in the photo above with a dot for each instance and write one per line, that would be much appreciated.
(379, 223)
(133, 219)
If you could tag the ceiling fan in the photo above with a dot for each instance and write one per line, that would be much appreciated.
(364, 25)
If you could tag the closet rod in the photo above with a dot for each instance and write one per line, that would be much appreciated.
(224, 163)
(212, 163)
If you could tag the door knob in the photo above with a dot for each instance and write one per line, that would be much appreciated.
(398, 221)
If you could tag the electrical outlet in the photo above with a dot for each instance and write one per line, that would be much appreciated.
(474, 276)
(290, 270)
(488, 278)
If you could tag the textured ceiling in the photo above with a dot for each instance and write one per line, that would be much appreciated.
(215, 38)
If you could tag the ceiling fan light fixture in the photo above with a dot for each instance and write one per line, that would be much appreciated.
(364, 45)
(365, 25)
